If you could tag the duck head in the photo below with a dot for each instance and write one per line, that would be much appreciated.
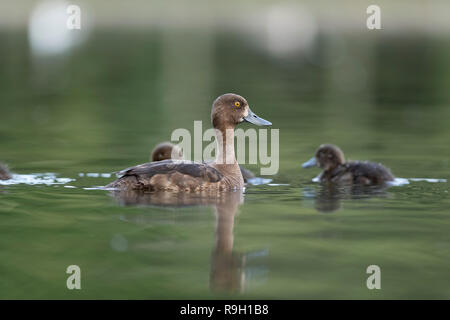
(327, 157)
(231, 109)
(165, 151)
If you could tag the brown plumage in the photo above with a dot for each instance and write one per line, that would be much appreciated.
(4, 172)
(228, 110)
(167, 151)
(335, 169)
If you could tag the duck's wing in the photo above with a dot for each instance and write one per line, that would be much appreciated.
(194, 169)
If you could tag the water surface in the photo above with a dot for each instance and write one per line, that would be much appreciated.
(73, 120)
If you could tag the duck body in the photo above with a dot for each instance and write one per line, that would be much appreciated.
(358, 172)
(178, 176)
(223, 174)
(336, 170)
(167, 151)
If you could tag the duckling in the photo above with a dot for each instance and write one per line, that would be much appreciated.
(335, 169)
(167, 150)
(4, 172)
(222, 174)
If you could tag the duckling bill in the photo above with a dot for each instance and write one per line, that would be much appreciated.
(228, 110)
(331, 159)
(167, 151)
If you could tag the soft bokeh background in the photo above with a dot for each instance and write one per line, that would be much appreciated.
(98, 99)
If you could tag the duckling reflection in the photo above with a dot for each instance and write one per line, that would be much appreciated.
(228, 268)
(328, 197)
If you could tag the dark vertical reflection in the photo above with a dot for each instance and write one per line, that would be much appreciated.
(227, 267)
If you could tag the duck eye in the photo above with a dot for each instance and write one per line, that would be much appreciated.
(237, 104)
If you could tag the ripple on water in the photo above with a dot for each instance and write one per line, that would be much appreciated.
(400, 181)
(35, 178)
(258, 181)
(95, 175)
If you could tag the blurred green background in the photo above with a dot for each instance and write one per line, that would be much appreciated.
(98, 99)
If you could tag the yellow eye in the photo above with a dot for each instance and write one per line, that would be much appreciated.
(237, 104)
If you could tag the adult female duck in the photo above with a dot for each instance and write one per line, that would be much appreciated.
(335, 169)
(228, 110)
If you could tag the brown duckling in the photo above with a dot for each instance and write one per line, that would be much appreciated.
(335, 169)
(4, 172)
(167, 150)
(223, 173)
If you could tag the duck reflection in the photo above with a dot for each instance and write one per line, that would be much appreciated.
(228, 272)
(227, 267)
(328, 197)
(175, 199)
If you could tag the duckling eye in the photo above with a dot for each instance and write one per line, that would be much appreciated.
(237, 104)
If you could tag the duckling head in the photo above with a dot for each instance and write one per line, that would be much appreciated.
(327, 157)
(230, 109)
(165, 151)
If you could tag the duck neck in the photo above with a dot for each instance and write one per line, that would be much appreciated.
(225, 147)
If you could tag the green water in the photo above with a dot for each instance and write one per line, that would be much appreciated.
(103, 106)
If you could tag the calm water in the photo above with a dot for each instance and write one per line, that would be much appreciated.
(71, 120)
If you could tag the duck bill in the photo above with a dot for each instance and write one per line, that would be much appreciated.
(310, 163)
(253, 118)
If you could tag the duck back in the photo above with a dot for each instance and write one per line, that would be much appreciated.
(368, 173)
(168, 175)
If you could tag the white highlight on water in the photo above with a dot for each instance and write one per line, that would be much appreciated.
(94, 175)
(35, 178)
(401, 181)
(428, 180)
(258, 181)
